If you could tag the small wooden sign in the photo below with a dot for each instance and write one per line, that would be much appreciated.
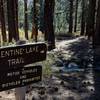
(10, 79)
(18, 56)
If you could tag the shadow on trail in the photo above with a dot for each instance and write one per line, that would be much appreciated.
(87, 81)
(79, 48)
(97, 72)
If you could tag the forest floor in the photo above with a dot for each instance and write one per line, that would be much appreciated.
(72, 76)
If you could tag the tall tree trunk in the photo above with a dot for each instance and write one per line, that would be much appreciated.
(97, 33)
(90, 22)
(26, 19)
(12, 20)
(34, 27)
(48, 23)
(2, 20)
(16, 19)
(35, 20)
(71, 17)
(42, 16)
(96, 54)
(83, 18)
(76, 12)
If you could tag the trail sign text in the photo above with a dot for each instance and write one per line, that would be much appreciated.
(13, 72)
(17, 56)
(20, 77)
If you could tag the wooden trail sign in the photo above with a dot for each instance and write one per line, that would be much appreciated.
(18, 56)
(20, 77)
(13, 59)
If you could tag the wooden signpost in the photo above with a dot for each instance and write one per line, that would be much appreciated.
(12, 60)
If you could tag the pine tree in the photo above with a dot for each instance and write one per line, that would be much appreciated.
(12, 11)
(26, 19)
(34, 27)
(97, 33)
(2, 20)
(48, 23)
(16, 18)
(83, 22)
(71, 17)
(90, 22)
(76, 12)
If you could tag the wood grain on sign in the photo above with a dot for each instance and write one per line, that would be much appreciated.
(18, 56)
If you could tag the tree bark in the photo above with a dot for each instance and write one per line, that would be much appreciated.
(48, 23)
(12, 20)
(71, 17)
(90, 22)
(83, 18)
(25, 19)
(34, 27)
(16, 19)
(96, 53)
(2, 20)
(97, 33)
(76, 11)
(42, 16)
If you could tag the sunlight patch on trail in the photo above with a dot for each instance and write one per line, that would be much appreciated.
(63, 43)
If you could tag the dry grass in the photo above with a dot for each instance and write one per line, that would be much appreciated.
(22, 37)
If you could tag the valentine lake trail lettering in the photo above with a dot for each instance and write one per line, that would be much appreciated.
(14, 57)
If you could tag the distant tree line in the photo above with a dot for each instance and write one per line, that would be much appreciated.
(42, 14)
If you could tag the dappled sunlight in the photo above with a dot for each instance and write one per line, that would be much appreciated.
(50, 49)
